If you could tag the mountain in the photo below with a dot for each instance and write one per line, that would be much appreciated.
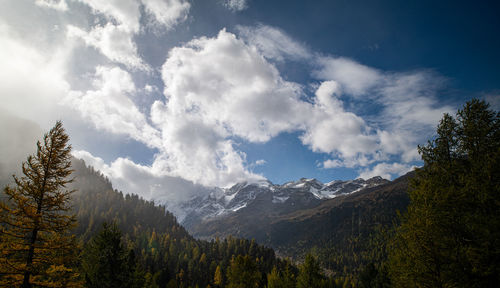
(267, 198)
(297, 217)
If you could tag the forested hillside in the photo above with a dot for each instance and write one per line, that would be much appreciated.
(167, 254)
(95, 201)
(345, 233)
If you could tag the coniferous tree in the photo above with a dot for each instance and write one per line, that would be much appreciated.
(274, 279)
(218, 277)
(450, 235)
(35, 244)
(374, 277)
(281, 279)
(106, 262)
(243, 273)
(309, 273)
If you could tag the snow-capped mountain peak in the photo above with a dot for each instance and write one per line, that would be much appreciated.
(223, 201)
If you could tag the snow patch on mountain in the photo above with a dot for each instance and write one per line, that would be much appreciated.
(223, 201)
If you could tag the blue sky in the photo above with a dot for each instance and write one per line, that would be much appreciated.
(160, 94)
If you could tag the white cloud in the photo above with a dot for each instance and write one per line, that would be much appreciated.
(356, 79)
(229, 85)
(260, 162)
(274, 43)
(410, 97)
(115, 38)
(333, 130)
(331, 163)
(33, 82)
(144, 181)
(399, 142)
(54, 4)
(113, 41)
(109, 107)
(218, 88)
(167, 12)
(150, 89)
(408, 107)
(125, 12)
(386, 170)
(236, 5)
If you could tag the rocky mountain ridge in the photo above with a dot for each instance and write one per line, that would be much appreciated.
(291, 196)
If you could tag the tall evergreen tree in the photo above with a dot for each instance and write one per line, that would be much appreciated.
(450, 235)
(218, 277)
(106, 262)
(309, 273)
(35, 244)
(243, 273)
(281, 279)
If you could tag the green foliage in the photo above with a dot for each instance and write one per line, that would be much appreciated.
(309, 273)
(374, 277)
(281, 279)
(243, 273)
(106, 263)
(450, 235)
(35, 244)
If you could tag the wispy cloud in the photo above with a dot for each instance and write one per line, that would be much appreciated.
(386, 170)
(273, 43)
(406, 101)
(113, 41)
(236, 5)
(115, 38)
(53, 4)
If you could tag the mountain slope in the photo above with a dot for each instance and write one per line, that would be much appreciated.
(313, 223)
(168, 255)
(95, 201)
(268, 199)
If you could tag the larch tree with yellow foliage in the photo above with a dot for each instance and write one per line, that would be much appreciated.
(36, 247)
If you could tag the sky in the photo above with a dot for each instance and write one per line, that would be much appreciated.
(166, 97)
